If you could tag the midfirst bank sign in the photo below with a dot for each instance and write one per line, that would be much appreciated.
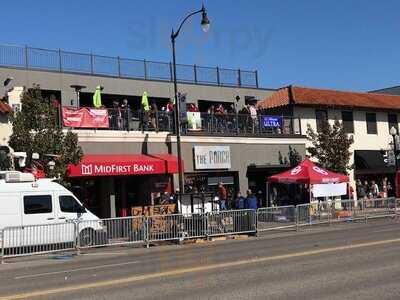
(212, 157)
(113, 169)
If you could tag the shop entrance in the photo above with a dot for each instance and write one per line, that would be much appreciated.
(257, 181)
(207, 182)
(114, 196)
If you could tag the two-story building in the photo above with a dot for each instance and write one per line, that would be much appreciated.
(366, 116)
(129, 166)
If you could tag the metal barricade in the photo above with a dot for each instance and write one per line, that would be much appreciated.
(38, 239)
(323, 213)
(112, 231)
(81, 234)
(380, 207)
(231, 222)
(279, 217)
(303, 215)
(165, 228)
(347, 210)
(313, 213)
(194, 226)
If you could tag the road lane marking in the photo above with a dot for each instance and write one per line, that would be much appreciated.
(76, 270)
(136, 278)
(104, 253)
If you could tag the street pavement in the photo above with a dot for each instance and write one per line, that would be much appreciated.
(347, 261)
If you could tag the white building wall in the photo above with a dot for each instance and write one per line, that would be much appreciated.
(14, 100)
(362, 140)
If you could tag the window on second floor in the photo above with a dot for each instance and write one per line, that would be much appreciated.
(371, 123)
(348, 123)
(392, 121)
(321, 116)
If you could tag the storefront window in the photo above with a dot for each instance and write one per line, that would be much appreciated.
(208, 182)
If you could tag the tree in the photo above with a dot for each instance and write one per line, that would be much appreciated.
(5, 159)
(36, 129)
(294, 156)
(330, 145)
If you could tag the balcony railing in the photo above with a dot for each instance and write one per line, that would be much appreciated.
(202, 123)
(84, 63)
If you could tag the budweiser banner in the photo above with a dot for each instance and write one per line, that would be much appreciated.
(85, 117)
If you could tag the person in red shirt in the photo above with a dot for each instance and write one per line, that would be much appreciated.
(170, 106)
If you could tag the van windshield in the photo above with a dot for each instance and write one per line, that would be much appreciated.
(69, 204)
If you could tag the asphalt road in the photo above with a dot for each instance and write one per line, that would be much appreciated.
(350, 261)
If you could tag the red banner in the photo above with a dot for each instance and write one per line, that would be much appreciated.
(85, 117)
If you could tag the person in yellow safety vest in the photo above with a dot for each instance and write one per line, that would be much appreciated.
(145, 111)
(97, 96)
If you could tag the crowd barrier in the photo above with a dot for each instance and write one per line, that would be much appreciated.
(78, 234)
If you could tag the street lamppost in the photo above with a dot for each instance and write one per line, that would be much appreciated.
(393, 133)
(205, 24)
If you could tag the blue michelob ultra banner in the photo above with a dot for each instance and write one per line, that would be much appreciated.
(272, 121)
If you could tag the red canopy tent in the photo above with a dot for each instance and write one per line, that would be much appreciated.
(308, 173)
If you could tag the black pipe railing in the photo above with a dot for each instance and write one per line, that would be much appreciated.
(85, 63)
(202, 123)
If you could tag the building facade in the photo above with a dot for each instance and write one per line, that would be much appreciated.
(132, 166)
(367, 117)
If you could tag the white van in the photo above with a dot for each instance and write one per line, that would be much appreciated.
(43, 211)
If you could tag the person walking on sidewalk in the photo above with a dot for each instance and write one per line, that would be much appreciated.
(222, 195)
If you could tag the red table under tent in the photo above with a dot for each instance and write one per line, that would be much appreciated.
(323, 183)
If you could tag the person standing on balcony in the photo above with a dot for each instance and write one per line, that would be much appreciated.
(126, 113)
(210, 119)
(253, 115)
(222, 196)
(220, 115)
(115, 116)
(154, 116)
(145, 111)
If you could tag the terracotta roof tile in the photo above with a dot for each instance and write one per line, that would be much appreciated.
(322, 97)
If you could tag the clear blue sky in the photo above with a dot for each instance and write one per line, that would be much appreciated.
(342, 44)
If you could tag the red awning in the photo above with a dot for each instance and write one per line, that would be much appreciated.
(121, 164)
(170, 160)
(308, 173)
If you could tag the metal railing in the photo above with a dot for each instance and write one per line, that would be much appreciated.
(272, 218)
(229, 222)
(35, 239)
(83, 234)
(202, 123)
(85, 63)
(244, 124)
(114, 231)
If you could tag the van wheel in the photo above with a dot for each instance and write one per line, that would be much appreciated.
(87, 237)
